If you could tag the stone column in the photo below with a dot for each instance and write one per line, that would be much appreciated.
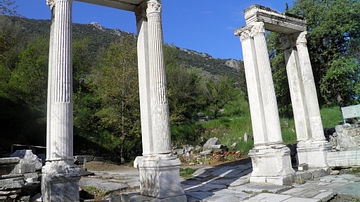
(144, 83)
(270, 157)
(158, 89)
(59, 175)
(314, 151)
(160, 171)
(266, 83)
(312, 102)
(253, 87)
(296, 88)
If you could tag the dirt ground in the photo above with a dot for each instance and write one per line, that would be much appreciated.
(105, 166)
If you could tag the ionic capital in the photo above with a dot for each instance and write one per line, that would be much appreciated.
(243, 32)
(257, 28)
(52, 3)
(301, 39)
(153, 6)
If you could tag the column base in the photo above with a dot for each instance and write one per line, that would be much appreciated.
(272, 164)
(160, 178)
(313, 153)
(60, 181)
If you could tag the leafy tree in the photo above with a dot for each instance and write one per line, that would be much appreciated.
(116, 84)
(333, 39)
(183, 87)
(331, 35)
(217, 92)
(8, 7)
(28, 81)
(341, 82)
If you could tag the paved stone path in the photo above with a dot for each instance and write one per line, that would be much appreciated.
(230, 183)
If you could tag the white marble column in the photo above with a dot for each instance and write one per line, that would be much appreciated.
(253, 87)
(270, 157)
(159, 170)
(158, 88)
(317, 131)
(314, 151)
(296, 88)
(59, 175)
(267, 86)
(144, 83)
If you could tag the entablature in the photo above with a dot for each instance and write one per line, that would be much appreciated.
(274, 21)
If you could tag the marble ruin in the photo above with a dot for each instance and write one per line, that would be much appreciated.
(158, 168)
(270, 157)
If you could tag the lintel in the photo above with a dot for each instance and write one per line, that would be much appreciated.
(129, 5)
(275, 21)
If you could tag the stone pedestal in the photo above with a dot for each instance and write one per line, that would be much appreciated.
(60, 181)
(159, 178)
(271, 164)
(313, 153)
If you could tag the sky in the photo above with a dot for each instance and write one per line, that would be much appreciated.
(204, 26)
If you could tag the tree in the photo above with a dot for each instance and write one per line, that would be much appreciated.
(333, 39)
(217, 92)
(183, 89)
(331, 35)
(8, 7)
(115, 82)
(28, 81)
(341, 82)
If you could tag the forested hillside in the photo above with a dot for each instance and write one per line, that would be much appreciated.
(106, 101)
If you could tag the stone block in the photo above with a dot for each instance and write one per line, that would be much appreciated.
(59, 181)
(8, 184)
(7, 165)
(303, 167)
(80, 159)
(344, 158)
(272, 165)
(28, 163)
(160, 178)
(313, 153)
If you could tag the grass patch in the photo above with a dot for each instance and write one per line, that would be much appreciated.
(95, 191)
(186, 173)
(331, 116)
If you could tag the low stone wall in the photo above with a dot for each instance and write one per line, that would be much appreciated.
(344, 158)
(345, 146)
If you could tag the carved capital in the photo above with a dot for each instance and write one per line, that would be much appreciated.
(153, 6)
(140, 11)
(50, 3)
(301, 39)
(243, 32)
(257, 28)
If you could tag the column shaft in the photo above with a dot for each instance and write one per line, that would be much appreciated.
(60, 176)
(267, 86)
(144, 83)
(60, 103)
(296, 89)
(317, 131)
(253, 87)
(158, 92)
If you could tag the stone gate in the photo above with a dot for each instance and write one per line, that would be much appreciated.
(270, 157)
(159, 169)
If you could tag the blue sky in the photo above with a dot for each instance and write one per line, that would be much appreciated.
(201, 25)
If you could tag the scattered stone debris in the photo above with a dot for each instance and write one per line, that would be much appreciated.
(19, 180)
